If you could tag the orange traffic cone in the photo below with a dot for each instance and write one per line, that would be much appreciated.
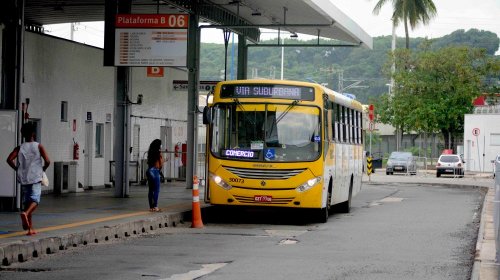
(196, 211)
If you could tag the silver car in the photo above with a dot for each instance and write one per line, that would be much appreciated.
(401, 162)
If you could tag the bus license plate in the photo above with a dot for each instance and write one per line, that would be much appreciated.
(263, 198)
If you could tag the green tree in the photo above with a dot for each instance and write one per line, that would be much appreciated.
(410, 12)
(435, 88)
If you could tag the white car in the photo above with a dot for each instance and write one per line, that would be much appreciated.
(450, 164)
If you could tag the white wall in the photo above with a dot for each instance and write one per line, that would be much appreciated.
(59, 70)
(474, 147)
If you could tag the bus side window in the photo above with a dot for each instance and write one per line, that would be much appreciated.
(334, 122)
(344, 123)
(339, 123)
(329, 121)
(349, 127)
(361, 128)
(357, 126)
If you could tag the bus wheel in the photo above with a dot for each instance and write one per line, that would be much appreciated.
(323, 215)
(325, 212)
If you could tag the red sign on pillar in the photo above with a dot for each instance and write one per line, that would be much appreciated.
(371, 108)
(153, 71)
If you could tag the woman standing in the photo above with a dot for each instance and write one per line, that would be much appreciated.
(30, 168)
(155, 163)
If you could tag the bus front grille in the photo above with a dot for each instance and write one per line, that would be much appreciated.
(273, 200)
(264, 174)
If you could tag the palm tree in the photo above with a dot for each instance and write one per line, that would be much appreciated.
(409, 12)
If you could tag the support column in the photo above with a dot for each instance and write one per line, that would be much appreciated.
(12, 18)
(242, 57)
(121, 122)
(193, 65)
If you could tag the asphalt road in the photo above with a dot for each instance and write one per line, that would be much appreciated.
(394, 231)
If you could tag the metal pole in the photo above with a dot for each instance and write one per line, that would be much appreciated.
(478, 153)
(193, 65)
(282, 58)
(242, 58)
(484, 147)
(370, 142)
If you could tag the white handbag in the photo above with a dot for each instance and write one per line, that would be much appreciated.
(45, 180)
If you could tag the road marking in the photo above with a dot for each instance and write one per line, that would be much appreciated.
(196, 274)
(93, 221)
(284, 232)
(288, 241)
(392, 199)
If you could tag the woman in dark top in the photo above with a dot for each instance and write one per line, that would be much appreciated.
(155, 163)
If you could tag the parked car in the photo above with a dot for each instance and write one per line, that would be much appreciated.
(450, 164)
(401, 162)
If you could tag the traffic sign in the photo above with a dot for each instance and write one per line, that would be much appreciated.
(371, 110)
(476, 131)
(371, 126)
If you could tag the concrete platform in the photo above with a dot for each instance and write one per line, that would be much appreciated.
(95, 216)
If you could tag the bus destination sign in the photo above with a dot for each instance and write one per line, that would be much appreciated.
(240, 153)
(268, 91)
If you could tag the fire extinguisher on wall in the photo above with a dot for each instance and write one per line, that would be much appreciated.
(177, 150)
(76, 150)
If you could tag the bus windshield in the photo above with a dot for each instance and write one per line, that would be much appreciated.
(266, 132)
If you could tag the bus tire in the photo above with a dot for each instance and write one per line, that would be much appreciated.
(324, 213)
(329, 198)
(345, 207)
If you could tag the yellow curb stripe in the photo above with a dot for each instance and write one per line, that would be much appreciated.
(89, 222)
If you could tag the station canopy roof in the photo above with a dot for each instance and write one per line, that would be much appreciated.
(312, 17)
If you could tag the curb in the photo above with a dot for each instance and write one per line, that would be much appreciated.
(21, 251)
(476, 267)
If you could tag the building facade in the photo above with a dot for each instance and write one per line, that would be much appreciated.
(71, 98)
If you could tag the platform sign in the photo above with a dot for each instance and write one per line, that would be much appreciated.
(182, 85)
(151, 40)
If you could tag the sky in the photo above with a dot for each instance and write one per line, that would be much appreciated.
(451, 15)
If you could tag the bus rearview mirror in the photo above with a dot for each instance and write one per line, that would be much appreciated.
(207, 115)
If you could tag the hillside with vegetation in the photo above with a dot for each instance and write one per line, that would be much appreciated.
(327, 65)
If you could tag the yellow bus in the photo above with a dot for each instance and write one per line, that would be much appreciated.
(282, 143)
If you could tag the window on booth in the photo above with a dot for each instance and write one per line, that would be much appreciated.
(99, 140)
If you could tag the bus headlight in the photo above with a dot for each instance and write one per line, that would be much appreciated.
(309, 184)
(221, 183)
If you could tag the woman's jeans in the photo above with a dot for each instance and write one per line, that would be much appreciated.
(153, 175)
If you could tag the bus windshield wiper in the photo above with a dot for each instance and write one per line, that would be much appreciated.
(286, 111)
(238, 103)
